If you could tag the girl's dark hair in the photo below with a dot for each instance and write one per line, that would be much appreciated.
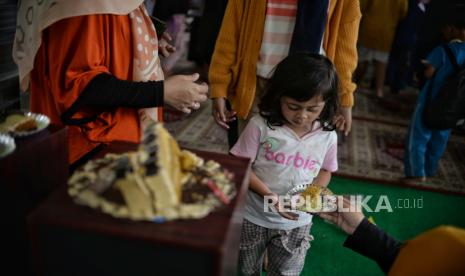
(301, 76)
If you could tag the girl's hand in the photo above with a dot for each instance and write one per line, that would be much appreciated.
(288, 215)
(343, 120)
(339, 122)
(221, 114)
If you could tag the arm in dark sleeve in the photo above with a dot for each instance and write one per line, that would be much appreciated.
(105, 90)
(372, 242)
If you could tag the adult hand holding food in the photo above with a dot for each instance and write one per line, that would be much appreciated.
(349, 220)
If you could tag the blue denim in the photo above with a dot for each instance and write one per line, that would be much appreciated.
(424, 147)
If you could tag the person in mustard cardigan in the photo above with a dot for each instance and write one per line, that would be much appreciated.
(377, 30)
(256, 35)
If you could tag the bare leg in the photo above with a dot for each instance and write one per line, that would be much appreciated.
(380, 74)
(265, 261)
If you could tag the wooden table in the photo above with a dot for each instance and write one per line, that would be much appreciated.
(69, 239)
(38, 165)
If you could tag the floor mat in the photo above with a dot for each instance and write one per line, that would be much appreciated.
(374, 151)
(393, 109)
(413, 212)
(199, 131)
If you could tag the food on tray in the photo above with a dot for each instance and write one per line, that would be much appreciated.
(18, 123)
(158, 181)
(29, 124)
(14, 119)
(316, 199)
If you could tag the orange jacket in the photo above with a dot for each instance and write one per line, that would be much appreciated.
(233, 67)
(73, 51)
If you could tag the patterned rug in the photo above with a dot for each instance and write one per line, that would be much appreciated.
(393, 109)
(198, 130)
(373, 151)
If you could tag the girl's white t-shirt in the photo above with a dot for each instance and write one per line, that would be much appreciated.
(282, 161)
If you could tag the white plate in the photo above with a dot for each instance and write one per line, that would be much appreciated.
(297, 189)
(7, 145)
(300, 188)
(41, 120)
(327, 203)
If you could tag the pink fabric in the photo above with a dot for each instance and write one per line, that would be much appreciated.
(330, 161)
(249, 143)
(282, 160)
(277, 34)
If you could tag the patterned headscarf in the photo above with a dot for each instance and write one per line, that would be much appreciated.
(34, 16)
(146, 62)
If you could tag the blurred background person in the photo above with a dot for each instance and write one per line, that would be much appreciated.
(377, 29)
(400, 68)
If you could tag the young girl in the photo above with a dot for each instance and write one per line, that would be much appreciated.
(291, 143)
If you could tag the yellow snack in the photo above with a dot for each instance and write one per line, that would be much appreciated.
(14, 119)
(28, 124)
(313, 198)
(19, 123)
(312, 190)
(138, 204)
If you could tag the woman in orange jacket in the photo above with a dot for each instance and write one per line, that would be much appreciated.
(94, 67)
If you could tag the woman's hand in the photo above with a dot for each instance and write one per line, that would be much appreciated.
(221, 114)
(348, 220)
(182, 93)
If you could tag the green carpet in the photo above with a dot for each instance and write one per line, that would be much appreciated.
(327, 256)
